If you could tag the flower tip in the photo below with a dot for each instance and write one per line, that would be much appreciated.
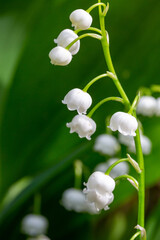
(88, 138)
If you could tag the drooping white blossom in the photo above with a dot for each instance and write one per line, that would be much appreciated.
(82, 125)
(147, 106)
(99, 190)
(77, 99)
(145, 143)
(34, 225)
(129, 142)
(126, 140)
(65, 38)
(106, 144)
(157, 112)
(74, 200)
(119, 169)
(60, 56)
(80, 19)
(125, 123)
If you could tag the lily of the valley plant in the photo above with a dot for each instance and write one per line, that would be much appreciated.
(98, 192)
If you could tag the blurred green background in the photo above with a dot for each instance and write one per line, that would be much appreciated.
(35, 145)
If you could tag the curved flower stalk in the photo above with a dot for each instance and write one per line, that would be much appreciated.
(120, 169)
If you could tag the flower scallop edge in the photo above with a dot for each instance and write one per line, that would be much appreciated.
(65, 38)
(82, 125)
(60, 56)
(125, 123)
(99, 190)
(76, 99)
(80, 19)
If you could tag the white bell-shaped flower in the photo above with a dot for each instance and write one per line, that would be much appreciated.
(80, 19)
(34, 225)
(76, 99)
(82, 125)
(60, 56)
(157, 107)
(99, 190)
(74, 200)
(124, 123)
(65, 38)
(126, 140)
(106, 144)
(147, 106)
(145, 143)
(119, 169)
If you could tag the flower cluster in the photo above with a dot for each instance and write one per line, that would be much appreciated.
(149, 106)
(60, 55)
(99, 190)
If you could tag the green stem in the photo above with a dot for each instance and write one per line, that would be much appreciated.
(105, 46)
(89, 29)
(78, 174)
(134, 104)
(141, 199)
(117, 99)
(135, 235)
(126, 177)
(93, 35)
(37, 203)
(94, 6)
(141, 194)
(85, 89)
(114, 164)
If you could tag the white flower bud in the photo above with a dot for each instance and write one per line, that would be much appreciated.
(134, 184)
(106, 144)
(34, 225)
(82, 125)
(99, 190)
(147, 106)
(76, 99)
(65, 38)
(80, 19)
(124, 123)
(157, 107)
(120, 169)
(60, 56)
(143, 231)
(145, 143)
(74, 199)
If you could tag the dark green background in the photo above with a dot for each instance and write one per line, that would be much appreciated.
(34, 141)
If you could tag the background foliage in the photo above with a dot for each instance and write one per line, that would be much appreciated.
(36, 148)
